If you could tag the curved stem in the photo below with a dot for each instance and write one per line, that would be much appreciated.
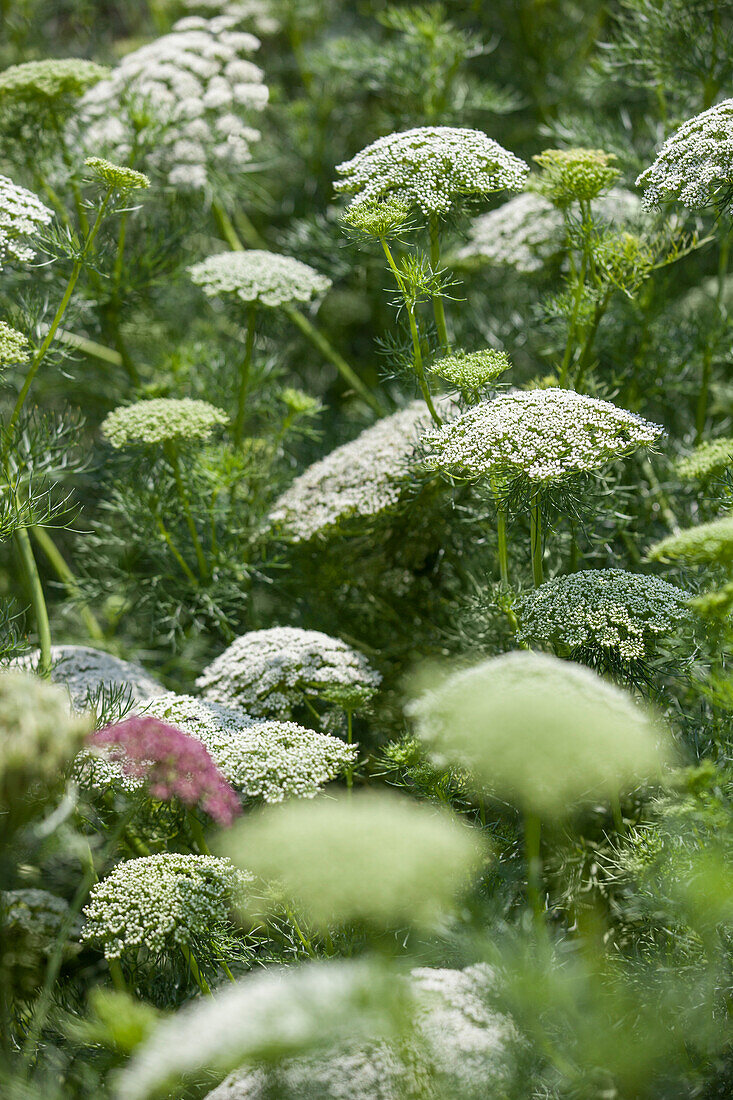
(172, 456)
(244, 373)
(536, 540)
(66, 576)
(174, 549)
(195, 970)
(438, 307)
(38, 601)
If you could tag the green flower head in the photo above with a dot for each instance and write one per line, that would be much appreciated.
(53, 84)
(575, 175)
(161, 420)
(116, 175)
(708, 460)
(470, 371)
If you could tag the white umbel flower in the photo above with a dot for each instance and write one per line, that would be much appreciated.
(458, 1042)
(22, 214)
(695, 164)
(258, 276)
(177, 89)
(544, 435)
(85, 671)
(265, 761)
(363, 478)
(161, 420)
(268, 672)
(605, 610)
(162, 901)
(431, 168)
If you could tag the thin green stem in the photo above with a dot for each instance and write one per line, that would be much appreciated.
(118, 978)
(536, 540)
(502, 545)
(244, 373)
(417, 360)
(229, 234)
(174, 549)
(173, 459)
(350, 741)
(195, 970)
(701, 411)
(40, 354)
(198, 833)
(532, 834)
(299, 933)
(438, 307)
(66, 576)
(38, 601)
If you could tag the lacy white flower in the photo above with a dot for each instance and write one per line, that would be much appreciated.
(21, 216)
(358, 479)
(85, 672)
(458, 1041)
(712, 457)
(265, 761)
(527, 230)
(275, 1013)
(161, 420)
(545, 435)
(255, 14)
(55, 82)
(38, 734)
(363, 856)
(268, 672)
(607, 610)
(471, 370)
(695, 164)
(574, 175)
(432, 168)
(162, 901)
(116, 175)
(184, 102)
(543, 732)
(257, 276)
(13, 346)
(708, 542)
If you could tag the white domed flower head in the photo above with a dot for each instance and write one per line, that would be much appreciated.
(265, 761)
(545, 733)
(163, 901)
(85, 672)
(22, 214)
(161, 420)
(544, 435)
(432, 168)
(258, 276)
(606, 612)
(268, 672)
(695, 164)
(357, 480)
(184, 101)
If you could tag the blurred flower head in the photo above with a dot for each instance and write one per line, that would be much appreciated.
(695, 164)
(256, 276)
(161, 420)
(22, 214)
(574, 175)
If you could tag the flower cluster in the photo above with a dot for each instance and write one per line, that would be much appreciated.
(608, 610)
(13, 346)
(257, 276)
(358, 479)
(33, 922)
(586, 739)
(182, 102)
(162, 901)
(431, 168)
(713, 457)
(470, 371)
(695, 164)
(545, 435)
(116, 175)
(527, 230)
(38, 735)
(268, 672)
(55, 83)
(21, 216)
(706, 543)
(265, 761)
(458, 1038)
(574, 175)
(257, 14)
(170, 762)
(85, 671)
(161, 420)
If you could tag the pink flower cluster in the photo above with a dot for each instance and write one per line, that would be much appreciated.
(172, 763)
